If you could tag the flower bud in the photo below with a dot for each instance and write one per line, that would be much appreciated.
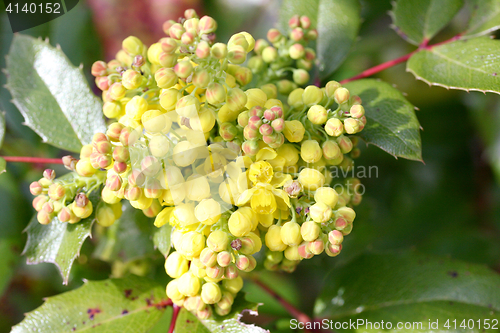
(99, 68)
(131, 79)
(132, 45)
(300, 76)
(218, 241)
(304, 251)
(208, 211)
(215, 272)
(183, 69)
(312, 95)
(112, 109)
(197, 188)
(117, 91)
(187, 38)
(347, 213)
(320, 212)
(331, 151)
(56, 191)
(36, 188)
(84, 168)
(274, 36)
(335, 237)
(224, 258)
(273, 239)
(168, 45)
(176, 265)
(310, 151)
(278, 125)
(43, 217)
(317, 114)
(310, 231)
(188, 284)
(215, 93)
(176, 31)
(269, 54)
(290, 234)
(351, 126)
(296, 51)
(345, 144)
(243, 76)
(334, 127)
(105, 215)
(241, 221)
(236, 54)
(82, 212)
(250, 148)
(169, 98)
(243, 118)
(311, 179)
(297, 34)
(292, 253)
(211, 293)
(333, 250)
(207, 25)
(236, 99)
(285, 87)
(357, 111)
(167, 59)
(165, 78)
(136, 107)
(173, 291)
(341, 95)
(294, 131)
(331, 87)
(113, 132)
(201, 78)
(150, 166)
(219, 50)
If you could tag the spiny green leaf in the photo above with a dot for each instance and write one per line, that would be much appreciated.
(188, 323)
(408, 287)
(133, 227)
(391, 121)
(470, 64)
(2, 127)
(485, 17)
(58, 242)
(161, 239)
(129, 305)
(337, 22)
(52, 94)
(419, 20)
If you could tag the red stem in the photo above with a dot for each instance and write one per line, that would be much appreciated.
(296, 313)
(24, 159)
(390, 63)
(174, 318)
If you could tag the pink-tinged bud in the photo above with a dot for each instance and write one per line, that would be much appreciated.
(247, 245)
(270, 139)
(208, 257)
(242, 262)
(250, 133)
(49, 174)
(269, 54)
(176, 31)
(207, 25)
(114, 131)
(292, 188)
(153, 189)
(56, 191)
(228, 131)
(243, 118)
(219, 50)
(331, 87)
(300, 76)
(98, 137)
(269, 115)
(224, 258)
(278, 124)
(69, 162)
(252, 264)
(121, 154)
(81, 200)
(187, 38)
(296, 51)
(168, 45)
(257, 111)
(183, 69)
(120, 167)
(165, 78)
(114, 183)
(103, 147)
(131, 79)
(99, 68)
(294, 21)
(133, 193)
(305, 22)
(215, 272)
(260, 45)
(39, 201)
(215, 93)
(357, 111)
(113, 64)
(236, 54)
(128, 136)
(345, 144)
(86, 151)
(254, 122)
(274, 36)
(331, 150)
(316, 247)
(266, 129)
(117, 91)
(310, 54)
(190, 13)
(278, 111)
(351, 126)
(167, 60)
(136, 178)
(312, 34)
(250, 148)
(104, 161)
(201, 78)
(334, 127)
(166, 26)
(297, 34)
(102, 82)
(243, 76)
(203, 50)
(231, 272)
(43, 217)
(279, 140)
(355, 100)
(65, 215)
(340, 223)
(335, 237)
(304, 251)
(333, 250)
(341, 95)
(138, 61)
(36, 188)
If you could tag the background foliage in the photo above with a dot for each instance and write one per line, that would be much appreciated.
(447, 207)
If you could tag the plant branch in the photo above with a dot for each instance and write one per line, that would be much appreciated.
(174, 318)
(24, 159)
(394, 62)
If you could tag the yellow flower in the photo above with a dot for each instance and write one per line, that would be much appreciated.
(260, 172)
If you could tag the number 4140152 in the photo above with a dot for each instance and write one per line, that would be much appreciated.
(33, 8)
(485, 324)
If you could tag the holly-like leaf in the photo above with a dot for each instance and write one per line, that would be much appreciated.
(58, 242)
(133, 227)
(129, 305)
(2, 127)
(162, 240)
(337, 22)
(485, 17)
(420, 20)
(52, 94)
(188, 323)
(391, 121)
(469, 64)
(410, 287)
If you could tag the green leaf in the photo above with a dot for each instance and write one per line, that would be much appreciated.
(485, 17)
(58, 242)
(188, 323)
(3, 165)
(391, 121)
(129, 305)
(418, 21)
(161, 239)
(2, 127)
(133, 227)
(470, 64)
(52, 94)
(337, 22)
(407, 287)
(9, 260)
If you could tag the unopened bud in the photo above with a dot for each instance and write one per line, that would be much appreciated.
(99, 68)
(300, 76)
(334, 127)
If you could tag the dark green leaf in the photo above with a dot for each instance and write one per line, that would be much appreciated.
(420, 20)
(337, 22)
(52, 94)
(58, 242)
(3, 165)
(132, 304)
(485, 17)
(391, 121)
(161, 239)
(406, 287)
(470, 64)
(133, 227)
(9, 260)
(2, 127)
(188, 323)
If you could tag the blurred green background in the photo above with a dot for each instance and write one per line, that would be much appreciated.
(448, 205)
